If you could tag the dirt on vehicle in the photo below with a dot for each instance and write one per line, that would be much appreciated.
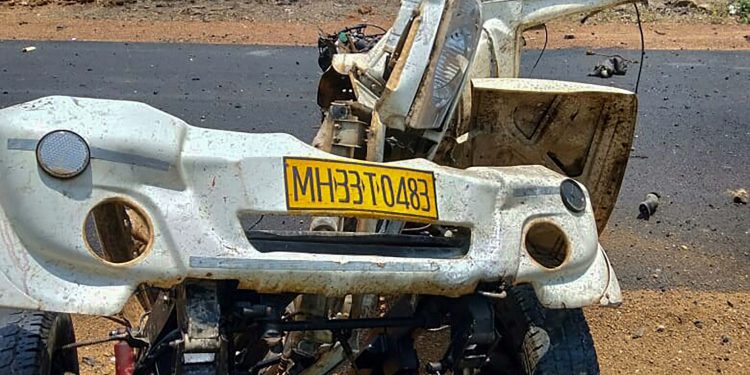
(655, 331)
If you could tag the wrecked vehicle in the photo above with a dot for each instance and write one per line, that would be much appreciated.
(442, 191)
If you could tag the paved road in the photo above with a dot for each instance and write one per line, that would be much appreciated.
(692, 146)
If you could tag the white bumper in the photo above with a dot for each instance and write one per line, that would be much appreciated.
(193, 183)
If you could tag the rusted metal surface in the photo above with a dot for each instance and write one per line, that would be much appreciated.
(114, 232)
(193, 207)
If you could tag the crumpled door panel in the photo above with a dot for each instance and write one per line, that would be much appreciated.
(583, 131)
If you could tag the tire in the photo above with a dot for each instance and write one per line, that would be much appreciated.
(30, 342)
(540, 341)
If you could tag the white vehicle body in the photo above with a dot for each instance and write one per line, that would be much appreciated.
(102, 200)
(192, 184)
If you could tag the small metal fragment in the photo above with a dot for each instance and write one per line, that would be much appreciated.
(648, 206)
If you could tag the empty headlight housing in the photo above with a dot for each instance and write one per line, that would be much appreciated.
(450, 61)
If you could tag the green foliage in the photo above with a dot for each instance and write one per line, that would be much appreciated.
(743, 10)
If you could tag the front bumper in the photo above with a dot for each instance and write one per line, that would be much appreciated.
(193, 183)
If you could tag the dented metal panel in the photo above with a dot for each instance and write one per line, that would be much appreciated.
(214, 176)
(580, 130)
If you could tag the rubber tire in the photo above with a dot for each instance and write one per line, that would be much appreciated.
(29, 343)
(540, 341)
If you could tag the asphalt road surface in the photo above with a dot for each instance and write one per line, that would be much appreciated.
(692, 146)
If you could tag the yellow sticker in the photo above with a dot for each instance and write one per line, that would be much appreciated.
(347, 188)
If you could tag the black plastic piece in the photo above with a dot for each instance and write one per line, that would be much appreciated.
(342, 243)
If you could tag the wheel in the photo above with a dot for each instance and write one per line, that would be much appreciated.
(540, 341)
(30, 343)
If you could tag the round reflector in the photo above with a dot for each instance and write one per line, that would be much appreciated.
(572, 195)
(63, 154)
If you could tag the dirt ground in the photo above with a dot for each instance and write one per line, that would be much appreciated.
(691, 25)
(654, 332)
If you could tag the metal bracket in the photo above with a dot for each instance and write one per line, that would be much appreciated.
(348, 130)
(203, 350)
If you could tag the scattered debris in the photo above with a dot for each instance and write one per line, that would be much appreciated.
(698, 324)
(28, 49)
(739, 196)
(683, 247)
(725, 339)
(90, 361)
(609, 67)
(638, 333)
(684, 4)
(648, 206)
(569, 36)
(364, 9)
(661, 328)
(612, 65)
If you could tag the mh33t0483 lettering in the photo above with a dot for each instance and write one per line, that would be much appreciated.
(359, 189)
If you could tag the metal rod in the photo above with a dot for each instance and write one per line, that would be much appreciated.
(346, 324)
(79, 344)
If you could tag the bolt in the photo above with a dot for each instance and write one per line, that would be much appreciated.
(272, 337)
(271, 333)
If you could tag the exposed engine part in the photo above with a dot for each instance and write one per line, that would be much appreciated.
(353, 39)
(473, 335)
(302, 345)
(334, 86)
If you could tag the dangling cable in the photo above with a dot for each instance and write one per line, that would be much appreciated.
(643, 47)
(544, 48)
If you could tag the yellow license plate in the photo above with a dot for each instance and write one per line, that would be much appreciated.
(348, 188)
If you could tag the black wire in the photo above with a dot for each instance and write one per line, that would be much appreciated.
(155, 350)
(544, 48)
(123, 322)
(643, 47)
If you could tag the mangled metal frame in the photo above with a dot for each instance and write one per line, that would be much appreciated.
(192, 184)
